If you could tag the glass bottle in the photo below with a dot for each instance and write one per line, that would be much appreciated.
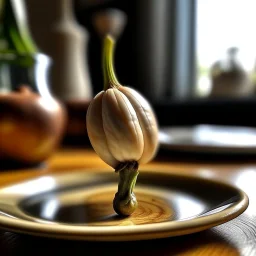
(32, 122)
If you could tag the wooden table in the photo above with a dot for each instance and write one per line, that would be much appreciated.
(237, 237)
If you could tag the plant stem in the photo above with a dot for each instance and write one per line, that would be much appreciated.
(125, 201)
(110, 80)
(15, 30)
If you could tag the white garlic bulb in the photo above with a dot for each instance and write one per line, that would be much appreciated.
(121, 124)
(122, 127)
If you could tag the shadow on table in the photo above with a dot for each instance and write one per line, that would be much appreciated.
(12, 244)
(12, 165)
(165, 155)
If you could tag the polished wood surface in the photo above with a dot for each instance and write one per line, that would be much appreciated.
(236, 237)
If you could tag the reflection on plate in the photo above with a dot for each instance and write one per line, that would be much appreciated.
(79, 206)
(209, 138)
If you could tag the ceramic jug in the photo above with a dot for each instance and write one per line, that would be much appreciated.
(229, 78)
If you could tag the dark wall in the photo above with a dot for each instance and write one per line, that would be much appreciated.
(125, 47)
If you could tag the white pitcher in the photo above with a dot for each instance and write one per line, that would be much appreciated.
(58, 34)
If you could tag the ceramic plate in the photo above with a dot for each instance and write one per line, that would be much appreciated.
(79, 206)
(209, 138)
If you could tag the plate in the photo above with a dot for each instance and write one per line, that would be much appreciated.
(209, 138)
(78, 205)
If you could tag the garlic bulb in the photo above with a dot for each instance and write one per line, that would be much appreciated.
(122, 129)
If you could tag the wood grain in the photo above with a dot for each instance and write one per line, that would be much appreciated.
(236, 237)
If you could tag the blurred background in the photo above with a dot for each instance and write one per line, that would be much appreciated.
(194, 60)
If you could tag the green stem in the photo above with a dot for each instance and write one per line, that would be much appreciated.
(14, 28)
(125, 201)
(110, 80)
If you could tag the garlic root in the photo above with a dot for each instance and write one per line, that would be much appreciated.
(125, 202)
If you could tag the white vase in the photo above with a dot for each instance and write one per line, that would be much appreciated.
(59, 35)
